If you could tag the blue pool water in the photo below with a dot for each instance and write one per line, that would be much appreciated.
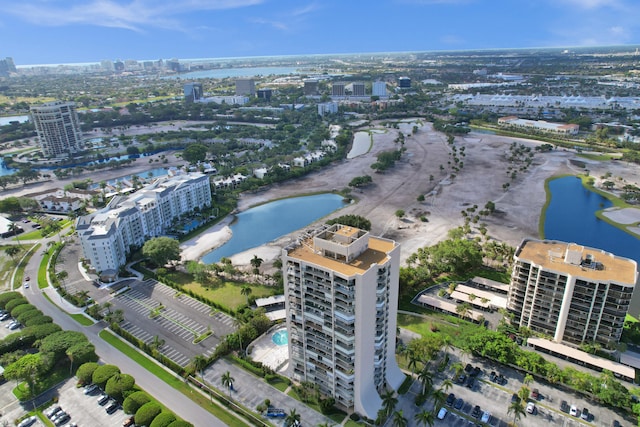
(280, 337)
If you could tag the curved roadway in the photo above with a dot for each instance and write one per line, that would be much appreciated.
(171, 398)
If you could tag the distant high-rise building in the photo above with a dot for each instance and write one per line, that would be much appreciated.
(265, 93)
(173, 65)
(118, 66)
(357, 89)
(7, 66)
(58, 128)
(404, 82)
(327, 108)
(379, 88)
(337, 89)
(107, 65)
(193, 91)
(310, 87)
(341, 298)
(245, 87)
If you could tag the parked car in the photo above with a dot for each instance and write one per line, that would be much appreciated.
(90, 389)
(458, 403)
(468, 368)
(52, 411)
(450, 399)
(442, 413)
(585, 414)
(573, 411)
(471, 382)
(531, 408)
(535, 394)
(14, 326)
(515, 398)
(128, 422)
(63, 419)
(27, 422)
(461, 379)
(476, 411)
(57, 416)
(564, 406)
(501, 380)
(493, 376)
(476, 372)
(5, 316)
(102, 400)
(112, 408)
(486, 417)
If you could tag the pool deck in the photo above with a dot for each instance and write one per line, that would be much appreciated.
(270, 354)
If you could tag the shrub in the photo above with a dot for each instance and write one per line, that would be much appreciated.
(163, 419)
(85, 372)
(134, 401)
(8, 296)
(27, 315)
(23, 308)
(180, 423)
(118, 384)
(38, 320)
(14, 303)
(147, 413)
(102, 374)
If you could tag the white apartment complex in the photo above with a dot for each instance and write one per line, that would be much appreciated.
(109, 235)
(541, 125)
(573, 293)
(58, 128)
(341, 289)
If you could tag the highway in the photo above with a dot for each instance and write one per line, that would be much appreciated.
(180, 404)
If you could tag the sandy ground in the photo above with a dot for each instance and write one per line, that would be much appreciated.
(479, 181)
(623, 216)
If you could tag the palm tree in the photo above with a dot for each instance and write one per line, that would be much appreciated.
(293, 418)
(227, 381)
(61, 276)
(528, 379)
(413, 360)
(12, 251)
(523, 394)
(256, 261)
(458, 368)
(389, 402)
(517, 410)
(439, 397)
(426, 418)
(246, 291)
(13, 228)
(399, 420)
(199, 364)
(426, 378)
(446, 385)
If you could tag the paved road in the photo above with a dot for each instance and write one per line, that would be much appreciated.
(177, 402)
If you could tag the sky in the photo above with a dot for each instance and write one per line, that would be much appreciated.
(68, 31)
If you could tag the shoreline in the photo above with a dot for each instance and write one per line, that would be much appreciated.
(210, 239)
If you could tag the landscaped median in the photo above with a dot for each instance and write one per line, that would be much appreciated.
(172, 380)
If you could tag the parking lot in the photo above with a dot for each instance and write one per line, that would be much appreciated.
(153, 309)
(84, 410)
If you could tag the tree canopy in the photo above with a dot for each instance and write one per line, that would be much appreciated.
(161, 250)
(194, 153)
(352, 221)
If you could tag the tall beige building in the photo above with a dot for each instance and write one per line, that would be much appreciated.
(573, 293)
(58, 128)
(341, 288)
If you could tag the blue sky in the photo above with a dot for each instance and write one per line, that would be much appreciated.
(56, 31)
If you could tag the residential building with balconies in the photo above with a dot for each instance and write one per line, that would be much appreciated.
(341, 298)
(573, 293)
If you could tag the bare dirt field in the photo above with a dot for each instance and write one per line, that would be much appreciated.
(479, 181)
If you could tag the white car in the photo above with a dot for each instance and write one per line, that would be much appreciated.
(531, 408)
(443, 413)
(27, 422)
(573, 411)
(486, 416)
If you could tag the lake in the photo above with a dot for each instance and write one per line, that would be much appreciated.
(222, 73)
(8, 119)
(570, 217)
(264, 223)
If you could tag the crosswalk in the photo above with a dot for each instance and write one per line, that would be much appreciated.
(175, 321)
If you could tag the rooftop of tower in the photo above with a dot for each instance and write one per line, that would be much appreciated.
(579, 261)
(346, 250)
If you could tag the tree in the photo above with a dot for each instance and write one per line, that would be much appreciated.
(85, 372)
(199, 363)
(134, 401)
(389, 402)
(400, 213)
(446, 385)
(12, 251)
(246, 291)
(27, 368)
(15, 230)
(426, 418)
(399, 420)
(516, 409)
(426, 379)
(163, 419)
(60, 342)
(227, 381)
(62, 276)
(463, 309)
(118, 384)
(81, 353)
(146, 413)
(356, 221)
(292, 418)
(102, 374)
(161, 250)
(256, 261)
(194, 153)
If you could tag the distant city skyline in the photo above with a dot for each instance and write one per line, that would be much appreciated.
(79, 31)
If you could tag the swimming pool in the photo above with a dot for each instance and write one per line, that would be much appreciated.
(280, 337)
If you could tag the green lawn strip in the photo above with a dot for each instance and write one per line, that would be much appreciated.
(279, 384)
(170, 379)
(351, 423)
(82, 319)
(52, 378)
(42, 271)
(32, 235)
(457, 329)
(312, 405)
(226, 294)
(406, 385)
(630, 318)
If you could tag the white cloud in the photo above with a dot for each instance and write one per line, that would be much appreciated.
(593, 4)
(290, 20)
(129, 14)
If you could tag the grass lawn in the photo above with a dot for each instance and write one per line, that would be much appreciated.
(82, 319)
(170, 379)
(32, 235)
(42, 270)
(226, 293)
(279, 383)
(21, 391)
(457, 329)
(351, 423)
(23, 264)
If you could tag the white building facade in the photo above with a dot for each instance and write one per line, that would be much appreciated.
(341, 289)
(379, 88)
(58, 128)
(109, 235)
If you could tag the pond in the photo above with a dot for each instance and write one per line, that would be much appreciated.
(361, 145)
(221, 73)
(571, 217)
(264, 223)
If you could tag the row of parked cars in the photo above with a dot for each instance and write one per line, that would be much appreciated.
(458, 403)
(58, 416)
(110, 404)
(5, 315)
